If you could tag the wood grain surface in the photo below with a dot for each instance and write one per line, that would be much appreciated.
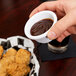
(13, 16)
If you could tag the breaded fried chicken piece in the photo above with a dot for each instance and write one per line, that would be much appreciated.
(15, 63)
(1, 51)
(11, 68)
(23, 56)
(10, 52)
(2, 70)
(5, 63)
(3, 73)
(21, 70)
(7, 60)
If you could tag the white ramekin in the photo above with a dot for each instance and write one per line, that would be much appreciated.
(35, 18)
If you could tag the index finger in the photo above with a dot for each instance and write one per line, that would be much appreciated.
(50, 5)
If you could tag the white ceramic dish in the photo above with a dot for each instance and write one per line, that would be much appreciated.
(35, 18)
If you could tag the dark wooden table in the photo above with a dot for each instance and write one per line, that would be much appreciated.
(13, 16)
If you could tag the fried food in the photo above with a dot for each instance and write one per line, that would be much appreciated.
(2, 70)
(1, 51)
(21, 70)
(10, 52)
(3, 73)
(11, 68)
(15, 63)
(23, 56)
(8, 60)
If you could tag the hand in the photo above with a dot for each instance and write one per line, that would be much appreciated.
(66, 13)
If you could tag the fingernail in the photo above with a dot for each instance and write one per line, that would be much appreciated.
(51, 35)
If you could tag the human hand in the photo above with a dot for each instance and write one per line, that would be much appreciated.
(66, 13)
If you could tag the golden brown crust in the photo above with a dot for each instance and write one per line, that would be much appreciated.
(10, 52)
(21, 70)
(11, 68)
(1, 51)
(23, 56)
(15, 63)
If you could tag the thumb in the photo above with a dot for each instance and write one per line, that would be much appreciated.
(61, 25)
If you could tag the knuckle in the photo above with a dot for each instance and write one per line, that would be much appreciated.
(61, 3)
(44, 3)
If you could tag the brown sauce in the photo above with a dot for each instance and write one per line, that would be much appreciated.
(41, 27)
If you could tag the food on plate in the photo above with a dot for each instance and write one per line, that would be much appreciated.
(10, 52)
(1, 51)
(18, 70)
(23, 56)
(15, 63)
